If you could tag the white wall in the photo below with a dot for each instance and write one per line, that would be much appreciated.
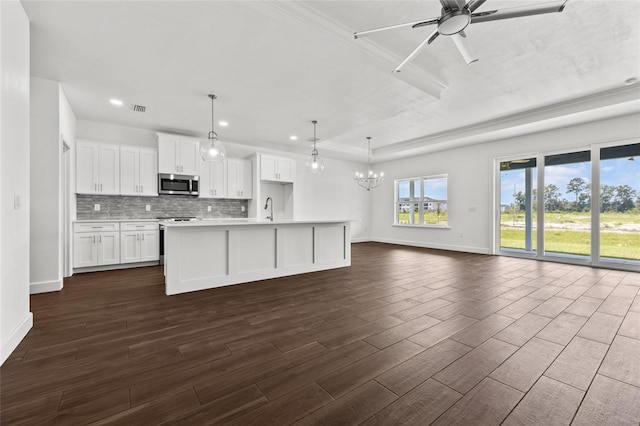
(46, 197)
(471, 183)
(67, 180)
(112, 133)
(15, 318)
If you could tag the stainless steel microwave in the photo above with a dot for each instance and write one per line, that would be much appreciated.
(178, 184)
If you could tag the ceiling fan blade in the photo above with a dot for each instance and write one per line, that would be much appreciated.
(434, 35)
(393, 27)
(415, 52)
(461, 44)
(474, 4)
(517, 12)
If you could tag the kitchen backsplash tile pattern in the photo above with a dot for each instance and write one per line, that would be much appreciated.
(121, 207)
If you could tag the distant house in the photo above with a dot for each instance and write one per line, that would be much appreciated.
(432, 204)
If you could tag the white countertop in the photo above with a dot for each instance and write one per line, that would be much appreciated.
(244, 222)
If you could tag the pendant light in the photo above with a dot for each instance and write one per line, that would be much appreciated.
(212, 149)
(371, 179)
(314, 164)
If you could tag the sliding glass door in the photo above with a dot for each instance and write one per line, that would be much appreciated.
(581, 206)
(620, 204)
(567, 205)
(518, 205)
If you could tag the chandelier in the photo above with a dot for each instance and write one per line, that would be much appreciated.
(371, 179)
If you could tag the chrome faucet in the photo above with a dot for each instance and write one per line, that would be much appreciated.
(266, 205)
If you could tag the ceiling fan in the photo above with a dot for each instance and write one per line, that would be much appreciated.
(456, 16)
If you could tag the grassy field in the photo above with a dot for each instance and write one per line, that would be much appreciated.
(611, 218)
(613, 243)
(430, 218)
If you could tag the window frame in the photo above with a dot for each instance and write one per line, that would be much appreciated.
(419, 200)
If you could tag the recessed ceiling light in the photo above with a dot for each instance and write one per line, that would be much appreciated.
(630, 81)
(116, 102)
(223, 123)
(293, 137)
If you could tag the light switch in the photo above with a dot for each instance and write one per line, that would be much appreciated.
(16, 201)
(96, 207)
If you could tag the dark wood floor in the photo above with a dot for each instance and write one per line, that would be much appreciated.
(404, 336)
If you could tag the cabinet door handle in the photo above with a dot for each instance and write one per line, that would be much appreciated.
(95, 186)
(215, 192)
(142, 237)
(100, 187)
(141, 188)
(100, 239)
(94, 238)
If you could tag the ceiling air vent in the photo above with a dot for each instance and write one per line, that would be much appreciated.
(139, 108)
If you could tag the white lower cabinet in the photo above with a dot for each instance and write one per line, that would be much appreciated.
(139, 242)
(96, 244)
(112, 243)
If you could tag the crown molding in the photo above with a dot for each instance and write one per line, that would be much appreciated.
(380, 58)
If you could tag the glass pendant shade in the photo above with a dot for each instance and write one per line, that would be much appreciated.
(314, 164)
(212, 149)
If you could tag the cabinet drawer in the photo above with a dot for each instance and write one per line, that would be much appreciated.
(139, 226)
(96, 226)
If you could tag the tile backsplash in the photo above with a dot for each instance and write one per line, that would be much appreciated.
(123, 207)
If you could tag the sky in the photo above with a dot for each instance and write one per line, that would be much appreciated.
(435, 188)
(618, 171)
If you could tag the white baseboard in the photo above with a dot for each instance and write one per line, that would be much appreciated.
(45, 286)
(466, 249)
(15, 337)
(361, 240)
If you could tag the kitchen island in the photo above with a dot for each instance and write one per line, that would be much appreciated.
(213, 253)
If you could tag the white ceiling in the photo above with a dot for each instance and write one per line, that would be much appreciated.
(276, 66)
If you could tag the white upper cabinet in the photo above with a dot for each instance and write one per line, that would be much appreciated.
(239, 182)
(148, 171)
(278, 169)
(213, 179)
(178, 154)
(97, 168)
(138, 171)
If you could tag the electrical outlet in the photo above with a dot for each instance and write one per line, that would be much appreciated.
(148, 207)
(242, 208)
(96, 207)
(208, 208)
(462, 235)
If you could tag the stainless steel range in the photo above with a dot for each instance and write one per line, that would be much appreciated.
(170, 219)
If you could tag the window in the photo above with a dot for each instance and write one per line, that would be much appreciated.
(422, 201)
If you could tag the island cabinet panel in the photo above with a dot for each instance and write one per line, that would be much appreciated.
(298, 249)
(209, 254)
(329, 243)
(256, 249)
(209, 260)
